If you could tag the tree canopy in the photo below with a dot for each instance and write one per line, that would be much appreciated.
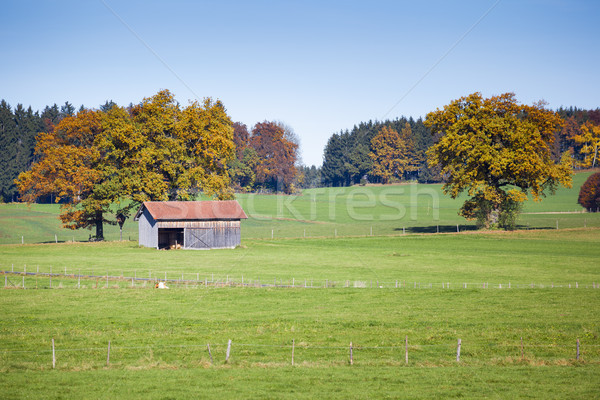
(498, 151)
(101, 163)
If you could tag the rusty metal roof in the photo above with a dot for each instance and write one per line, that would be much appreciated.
(193, 210)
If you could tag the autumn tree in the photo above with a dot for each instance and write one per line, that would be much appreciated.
(589, 194)
(100, 163)
(159, 151)
(72, 167)
(588, 137)
(497, 151)
(389, 155)
(277, 154)
(241, 138)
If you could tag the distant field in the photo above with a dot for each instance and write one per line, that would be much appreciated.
(324, 212)
(524, 257)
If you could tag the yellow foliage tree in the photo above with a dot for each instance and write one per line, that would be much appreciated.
(97, 160)
(498, 151)
(589, 139)
(389, 154)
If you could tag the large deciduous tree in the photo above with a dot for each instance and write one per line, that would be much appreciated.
(392, 153)
(101, 162)
(277, 154)
(71, 166)
(159, 151)
(498, 151)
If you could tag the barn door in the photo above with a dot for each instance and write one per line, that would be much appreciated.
(198, 238)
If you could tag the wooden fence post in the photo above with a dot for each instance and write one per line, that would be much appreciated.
(458, 351)
(406, 350)
(209, 353)
(53, 355)
(522, 350)
(228, 351)
(108, 355)
(351, 355)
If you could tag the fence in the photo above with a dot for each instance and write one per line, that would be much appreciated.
(274, 230)
(120, 353)
(51, 280)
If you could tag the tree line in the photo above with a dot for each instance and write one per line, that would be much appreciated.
(105, 161)
(395, 150)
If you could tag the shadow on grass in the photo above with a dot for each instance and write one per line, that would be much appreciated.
(461, 228)
(438, 229)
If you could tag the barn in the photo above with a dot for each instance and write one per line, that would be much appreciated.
(190, 224)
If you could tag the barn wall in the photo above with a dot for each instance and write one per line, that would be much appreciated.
(212, 235)
(148, 230)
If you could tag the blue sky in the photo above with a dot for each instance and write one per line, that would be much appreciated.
(319, 66)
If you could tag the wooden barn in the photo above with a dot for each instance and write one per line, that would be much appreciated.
(190, 224)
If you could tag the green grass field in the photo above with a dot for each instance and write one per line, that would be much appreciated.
(324, 212)
(540, 286)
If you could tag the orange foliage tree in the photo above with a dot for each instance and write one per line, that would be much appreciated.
(71, 166)
(277, 154)
(589, 194)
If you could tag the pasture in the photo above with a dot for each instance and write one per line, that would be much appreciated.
(518, 301)
(323, 212)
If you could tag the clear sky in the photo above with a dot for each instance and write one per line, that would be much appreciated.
(318, 66)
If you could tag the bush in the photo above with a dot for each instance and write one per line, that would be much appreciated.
(589, 194)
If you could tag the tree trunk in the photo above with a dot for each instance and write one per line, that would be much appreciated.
(99, 226)
(494, 216)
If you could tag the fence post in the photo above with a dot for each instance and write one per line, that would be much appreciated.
(108, 355)
(53, 355)
(458, 351)
(522, 350)
(209, 353)
(228, 351)
(406, 350)
(351, 355)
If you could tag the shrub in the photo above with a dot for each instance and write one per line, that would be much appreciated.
(589, 194)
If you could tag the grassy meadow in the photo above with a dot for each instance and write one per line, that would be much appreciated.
(518, 301)
(323, 212)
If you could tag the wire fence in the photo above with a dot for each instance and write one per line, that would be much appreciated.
(63, 355)
(281, 229)
(36, 279)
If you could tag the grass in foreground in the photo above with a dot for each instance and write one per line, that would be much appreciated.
(551, 382)
(159, 339)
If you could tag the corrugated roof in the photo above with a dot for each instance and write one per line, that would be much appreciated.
(193, 210)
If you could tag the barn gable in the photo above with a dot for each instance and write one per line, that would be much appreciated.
(190, 224)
